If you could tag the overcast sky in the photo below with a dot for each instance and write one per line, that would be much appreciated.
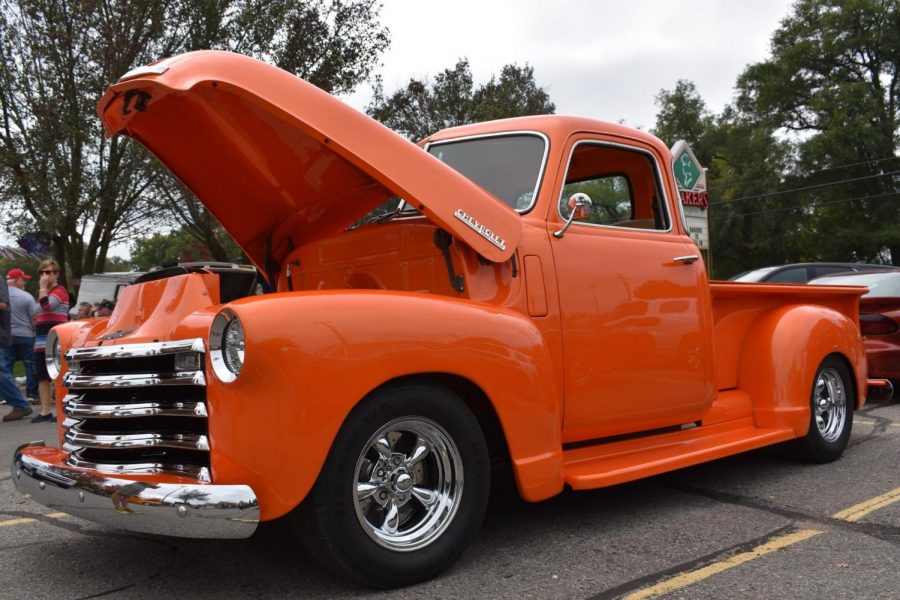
(605, 59)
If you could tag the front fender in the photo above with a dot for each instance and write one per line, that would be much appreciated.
(783, 349)
(312, 356)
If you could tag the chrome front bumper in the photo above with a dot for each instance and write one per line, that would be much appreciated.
(173, 509)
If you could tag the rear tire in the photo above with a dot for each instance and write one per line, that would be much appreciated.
(831, 412)
(403, 490)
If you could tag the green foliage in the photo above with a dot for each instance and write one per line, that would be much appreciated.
(176, 246)
(60, 175)
(833, 79)
(451, 99)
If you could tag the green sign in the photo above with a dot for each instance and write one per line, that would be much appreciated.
(687, 171)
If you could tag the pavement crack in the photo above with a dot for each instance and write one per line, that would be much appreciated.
(108, 592)
(883, 532)
(880, 427)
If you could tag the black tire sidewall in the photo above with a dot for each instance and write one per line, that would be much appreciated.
(356, 551)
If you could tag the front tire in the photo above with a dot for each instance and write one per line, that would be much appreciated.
(831, 412)
(403, 490)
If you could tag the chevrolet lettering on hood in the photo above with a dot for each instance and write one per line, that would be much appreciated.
(480, 228)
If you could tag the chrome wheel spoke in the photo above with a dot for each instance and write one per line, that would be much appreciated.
(420, 451)
(365, 489)
(392, 519)
(427, 497)
(383, 447)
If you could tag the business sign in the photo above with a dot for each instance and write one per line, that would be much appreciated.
(691, 180)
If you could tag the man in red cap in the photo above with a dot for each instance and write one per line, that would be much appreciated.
(22, 309)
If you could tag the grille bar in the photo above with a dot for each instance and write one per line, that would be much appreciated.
(184, 441)
(74, 381)
(82, 410)
(145, 468)
(135, 350)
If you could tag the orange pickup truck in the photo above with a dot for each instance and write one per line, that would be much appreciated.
(534, 301)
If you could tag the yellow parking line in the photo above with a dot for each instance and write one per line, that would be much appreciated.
(858, 511)
(691, 577)
(9, 522)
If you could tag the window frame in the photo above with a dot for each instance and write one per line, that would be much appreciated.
(654, 164)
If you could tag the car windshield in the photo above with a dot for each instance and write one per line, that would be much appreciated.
(507, 166)
(881, 285)
(755, 275)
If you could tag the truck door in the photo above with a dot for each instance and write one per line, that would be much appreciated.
(634, 300)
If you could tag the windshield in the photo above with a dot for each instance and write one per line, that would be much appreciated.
(755, 275)
(508, 166)
(881, 285)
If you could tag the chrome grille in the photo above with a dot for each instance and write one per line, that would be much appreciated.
(138, 408)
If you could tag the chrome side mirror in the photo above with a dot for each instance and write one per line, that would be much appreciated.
(578, 205)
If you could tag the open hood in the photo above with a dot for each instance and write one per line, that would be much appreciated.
(280, 163)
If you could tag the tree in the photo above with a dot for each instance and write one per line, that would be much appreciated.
(59, 174)
(176, 246)
(746, 163)
(452, 99)
(683, 116)
(833, 81)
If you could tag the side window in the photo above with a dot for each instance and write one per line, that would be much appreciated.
(622, 185)
(793, 275)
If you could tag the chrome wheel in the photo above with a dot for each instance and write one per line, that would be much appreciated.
(409, 483)
(830, 404)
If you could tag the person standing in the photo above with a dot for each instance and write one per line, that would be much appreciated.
(54, 302)
(9, 391)
(21, 311)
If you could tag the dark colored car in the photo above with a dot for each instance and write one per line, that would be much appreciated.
(879, 320)
(804, 272)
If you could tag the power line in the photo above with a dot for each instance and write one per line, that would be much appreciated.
(810, 205)
(802, 189)
(856, 164)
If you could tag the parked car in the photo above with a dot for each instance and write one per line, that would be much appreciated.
(803, 272)
(879, 320)
(97, 287)
(544, 309)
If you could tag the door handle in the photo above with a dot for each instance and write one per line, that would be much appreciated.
(688, 260)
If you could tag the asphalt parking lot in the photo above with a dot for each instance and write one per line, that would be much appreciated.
(753, 526)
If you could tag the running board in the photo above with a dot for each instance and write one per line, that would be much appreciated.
(612, 463)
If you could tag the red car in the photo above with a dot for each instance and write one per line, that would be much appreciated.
(879, 320)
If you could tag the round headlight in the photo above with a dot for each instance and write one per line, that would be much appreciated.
(53, 355)
(226, 345)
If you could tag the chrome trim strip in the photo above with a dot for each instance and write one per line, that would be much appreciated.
(184, 441)
(69, 422)
(86, 382)
(172, 509)
(660, 184)
(136, 350)
(201, 474)
(81, 410)
(542, 168)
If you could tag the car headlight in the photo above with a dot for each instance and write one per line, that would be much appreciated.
(226, 345)
(52, 355)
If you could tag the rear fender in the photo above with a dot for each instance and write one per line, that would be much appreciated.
(312, 356)
(783, 349)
